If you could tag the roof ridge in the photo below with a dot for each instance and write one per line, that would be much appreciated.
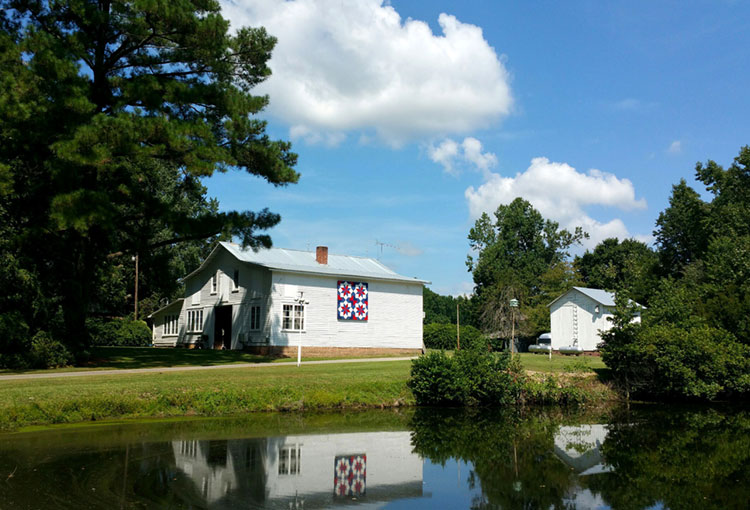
(239, 247)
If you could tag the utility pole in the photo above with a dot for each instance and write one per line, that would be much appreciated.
(135, 314)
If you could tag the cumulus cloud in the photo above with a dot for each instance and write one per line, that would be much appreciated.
(452, 155)
(675, 147)
(560, 193)
(357, 66)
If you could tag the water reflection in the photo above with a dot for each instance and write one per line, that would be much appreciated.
(638, 458)
(301, 471)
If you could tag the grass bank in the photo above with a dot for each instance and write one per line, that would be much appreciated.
(228, 392)
(202, 393)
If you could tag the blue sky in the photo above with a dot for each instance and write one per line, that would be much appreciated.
(410, 118)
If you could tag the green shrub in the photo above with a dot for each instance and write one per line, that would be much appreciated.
(46, 352)
(473, 377)
(135, 333)
(443, 336)
(14, 341)
(686, 361)
(119, 332)
(434, 380)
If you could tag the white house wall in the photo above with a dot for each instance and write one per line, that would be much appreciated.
(578, 311)
(253, 289)
(394, 313)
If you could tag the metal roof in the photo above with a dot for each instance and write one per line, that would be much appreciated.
(602, 297)
(297, 261)
(165, 307)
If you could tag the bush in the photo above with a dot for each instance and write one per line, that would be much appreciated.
(14, 341)
(443, 336)
(46, 352)
(434, 380)
(472, 377)
(689, 361)
(119, 332)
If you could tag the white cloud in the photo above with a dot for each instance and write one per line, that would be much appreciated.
(631, 104)
(451, 155)
(675, 147)
(357, 66)
(560, 193)
(444, 154)
(473, 153)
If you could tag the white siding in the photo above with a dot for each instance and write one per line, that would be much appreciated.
(575, 313)
(254, 285)
(394, 321)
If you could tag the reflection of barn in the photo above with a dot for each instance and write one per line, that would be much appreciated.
(579, 448)
(301, 471)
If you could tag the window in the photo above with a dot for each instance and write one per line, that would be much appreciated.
(195, 321)
(170, 324)
(293, 317)
(197, 297)
(236, 280)
(255, 318)
(215, 283)
(289, 460)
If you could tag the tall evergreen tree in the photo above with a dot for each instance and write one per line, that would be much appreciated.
(113, 111)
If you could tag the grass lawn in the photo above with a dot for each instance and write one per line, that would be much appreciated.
(561, 363)
(104, 358)
(202, 393)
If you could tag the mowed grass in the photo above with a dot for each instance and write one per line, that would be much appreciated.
(113, 358)
(561, 363)
(203, 393)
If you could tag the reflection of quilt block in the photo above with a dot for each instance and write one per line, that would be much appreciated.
(349, 473)
(352, 301)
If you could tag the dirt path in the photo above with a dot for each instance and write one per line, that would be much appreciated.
(87, 373)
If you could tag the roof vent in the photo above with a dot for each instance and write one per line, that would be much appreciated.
(321, 255)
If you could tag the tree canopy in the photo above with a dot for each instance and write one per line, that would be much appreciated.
(615, 266)
(113, 112)
(519, 255)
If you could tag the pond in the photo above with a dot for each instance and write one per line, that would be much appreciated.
(641, 457)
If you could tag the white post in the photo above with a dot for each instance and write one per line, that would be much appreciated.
(299, 348)
(301, 302)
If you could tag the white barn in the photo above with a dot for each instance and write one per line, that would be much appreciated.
(271, 300)
(577, 317)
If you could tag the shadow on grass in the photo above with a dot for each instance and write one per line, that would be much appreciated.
(603, 374)
(152, 357)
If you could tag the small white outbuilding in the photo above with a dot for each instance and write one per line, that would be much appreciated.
(578, 316)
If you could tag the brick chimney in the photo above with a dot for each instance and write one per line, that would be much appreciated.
(321, 255)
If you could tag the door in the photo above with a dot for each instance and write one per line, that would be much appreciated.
(223, 327)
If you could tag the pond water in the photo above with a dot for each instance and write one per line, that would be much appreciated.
(642, 457)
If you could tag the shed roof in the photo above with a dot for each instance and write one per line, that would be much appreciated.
(166, 307)
(297, 261)
(602, 297)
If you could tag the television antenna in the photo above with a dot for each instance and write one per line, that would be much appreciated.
(381, 245)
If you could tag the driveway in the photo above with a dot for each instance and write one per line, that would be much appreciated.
(88, 373)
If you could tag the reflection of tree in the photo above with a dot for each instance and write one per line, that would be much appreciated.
(688, 459)
(512, 457)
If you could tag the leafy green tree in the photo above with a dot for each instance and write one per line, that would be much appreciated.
(616, 266)
(517, 256)
(113, 112)
(680, 233)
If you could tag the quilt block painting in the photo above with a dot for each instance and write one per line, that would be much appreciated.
(350, 473)
(352, 301)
